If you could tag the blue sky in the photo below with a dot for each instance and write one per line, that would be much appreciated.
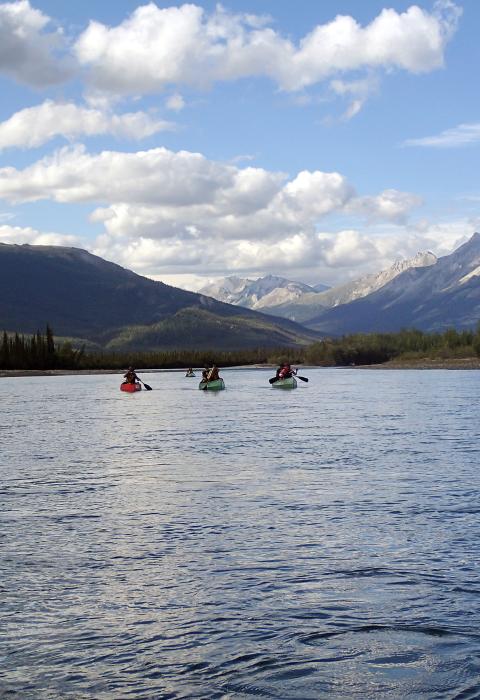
(319, 141)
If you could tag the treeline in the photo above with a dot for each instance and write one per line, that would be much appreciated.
(176, 359)
(40, 351)
(409, 344)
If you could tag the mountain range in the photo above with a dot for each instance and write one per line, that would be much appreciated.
(425, 292)
(432, 298)
(262, 293)
(307, 306)
(86, 298)
(301, 302)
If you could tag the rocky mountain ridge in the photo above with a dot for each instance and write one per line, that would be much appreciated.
(300, 302)
(260, 293)
(432, 298)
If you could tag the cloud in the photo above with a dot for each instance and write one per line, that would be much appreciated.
(331, 257)
(180, 212)
(157, 47)
(19, 235)
(461, 135)
(35, 126)
(389, 205)
(28, 50)
(158, 175)
(254, 206)
(348, 248)
(176, 180)
(175, 102)
(357, 90)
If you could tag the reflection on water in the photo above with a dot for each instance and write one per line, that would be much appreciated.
(322, 542)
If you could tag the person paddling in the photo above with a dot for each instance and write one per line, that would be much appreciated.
(130, 376)
(285, 371)
(212, 374)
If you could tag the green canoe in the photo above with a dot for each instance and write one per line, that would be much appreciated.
(214, 385)
(290, 383)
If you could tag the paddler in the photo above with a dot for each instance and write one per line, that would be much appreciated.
(285, 371)
(130, 376)
(210, 375)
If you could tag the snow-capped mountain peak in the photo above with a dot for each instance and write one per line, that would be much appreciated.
(255, 294)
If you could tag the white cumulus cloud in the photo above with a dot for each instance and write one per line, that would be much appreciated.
(20, 235)
(28, 48)
(389, 205)
(183, 213)
(157, 47)
(35, 126)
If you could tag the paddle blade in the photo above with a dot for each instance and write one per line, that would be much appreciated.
(304, 379)
(147, 386)
(272, 380)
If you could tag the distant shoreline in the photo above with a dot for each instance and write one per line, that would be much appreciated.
(426, 363)
(467, 363)
(4, 373)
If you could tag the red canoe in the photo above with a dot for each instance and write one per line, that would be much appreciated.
(130, 387)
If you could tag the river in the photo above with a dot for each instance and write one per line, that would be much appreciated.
(255, 542)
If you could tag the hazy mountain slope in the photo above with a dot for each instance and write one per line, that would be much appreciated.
(226, 289)
(432, 298)
(320, 287)
(308, 306)
(82, 295)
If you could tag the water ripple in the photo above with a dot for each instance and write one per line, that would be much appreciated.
(172, 544)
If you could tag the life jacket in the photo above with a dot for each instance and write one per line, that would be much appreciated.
(285, 372)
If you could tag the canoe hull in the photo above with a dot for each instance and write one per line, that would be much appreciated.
(131, 388)
(290, 383)
(214, 385)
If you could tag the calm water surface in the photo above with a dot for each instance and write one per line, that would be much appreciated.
(323, 542)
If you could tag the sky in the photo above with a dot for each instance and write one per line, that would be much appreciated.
(191, 141)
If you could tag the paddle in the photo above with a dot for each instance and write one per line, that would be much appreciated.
(207, 379)
(147, 386)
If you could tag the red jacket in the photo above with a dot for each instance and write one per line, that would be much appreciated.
(285, 372)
